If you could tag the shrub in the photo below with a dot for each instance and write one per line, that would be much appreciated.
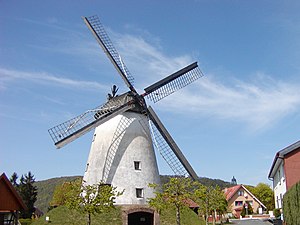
(291, 205)
(25, 221)
(276, 213)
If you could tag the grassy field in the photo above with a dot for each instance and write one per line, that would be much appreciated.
(62, 215)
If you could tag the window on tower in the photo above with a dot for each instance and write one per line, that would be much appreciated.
(137, 165)
(139, 192)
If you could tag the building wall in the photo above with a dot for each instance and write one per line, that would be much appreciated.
(245, 197)
(279, 185)
(292, 168)
(134, 145)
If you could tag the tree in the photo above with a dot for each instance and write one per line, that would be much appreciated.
(175, 193)
(27, 191)
(247, 210)
(91, 199)
(211, 200)
(14, 179)
(265, 194)
(62, 191)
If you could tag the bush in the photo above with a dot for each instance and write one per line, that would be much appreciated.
(276, 213)
(25, 221)
(249, 210)
(291, 205)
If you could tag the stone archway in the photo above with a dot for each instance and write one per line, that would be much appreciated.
(139, 215)
(140, 218)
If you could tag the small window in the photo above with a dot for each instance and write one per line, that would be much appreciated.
(137, 165)
(139, 192)
(94, 138)
(240, 193)
(238, 203)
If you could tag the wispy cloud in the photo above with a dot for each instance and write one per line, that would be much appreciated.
(7, 75)
(147, 59)
(259, 106)
(259, 103)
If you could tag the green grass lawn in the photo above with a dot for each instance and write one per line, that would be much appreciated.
(63, 215)
(188, 217)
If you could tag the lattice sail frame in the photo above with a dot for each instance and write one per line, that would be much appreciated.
(103, 39)
(166, 152)
(87, 120)
(173, 82)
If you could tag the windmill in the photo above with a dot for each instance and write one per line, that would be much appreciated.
(127, 130)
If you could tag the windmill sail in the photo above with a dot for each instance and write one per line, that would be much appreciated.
(102, 38)
(127, 135)
(168, 148)
(173, 82)
(68, 131)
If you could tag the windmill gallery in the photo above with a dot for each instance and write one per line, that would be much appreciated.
(126, 133)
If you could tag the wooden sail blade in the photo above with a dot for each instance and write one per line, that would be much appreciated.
(173, 82)
(168, 149)
(70, 130)
(97, 29)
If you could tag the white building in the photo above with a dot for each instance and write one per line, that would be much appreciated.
(285, 171)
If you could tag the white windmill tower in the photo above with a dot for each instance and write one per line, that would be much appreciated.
(127, 131)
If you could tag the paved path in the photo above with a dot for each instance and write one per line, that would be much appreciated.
(251, 222)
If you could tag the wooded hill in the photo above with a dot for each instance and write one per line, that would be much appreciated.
(46, 187)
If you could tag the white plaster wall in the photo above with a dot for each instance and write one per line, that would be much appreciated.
(279, 185)
(136, 145)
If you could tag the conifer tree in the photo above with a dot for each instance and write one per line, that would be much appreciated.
(27, 191)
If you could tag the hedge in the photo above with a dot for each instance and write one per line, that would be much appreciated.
(291, 205)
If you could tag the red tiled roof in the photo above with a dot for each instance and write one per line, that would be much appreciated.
(229, 192)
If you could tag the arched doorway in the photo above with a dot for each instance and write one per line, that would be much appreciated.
(140, 218)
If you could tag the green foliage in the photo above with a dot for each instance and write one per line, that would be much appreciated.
(291, 205)
(91, 199)
(46, 189)
(247, 210)
(14, 179)
(172, 194)
(188, 217)
(211, 200)
(264, 193)
(208, 182)
(25, 221)
(27, 191)
(64, 216)
(62, 191)
(276, 213)
(203, 180)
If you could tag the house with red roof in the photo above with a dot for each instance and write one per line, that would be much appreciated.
(10, 202)
(285, 171)
(238, 196)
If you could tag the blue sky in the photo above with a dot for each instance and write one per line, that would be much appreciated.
(230, 122)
